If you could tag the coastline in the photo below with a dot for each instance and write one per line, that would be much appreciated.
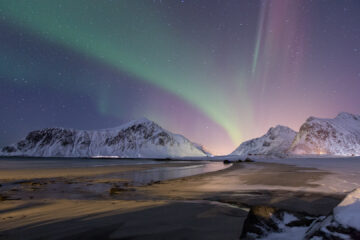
(18, 174)
(212, 205)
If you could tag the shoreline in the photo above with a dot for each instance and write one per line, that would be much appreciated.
(199, 206)
(117, 158)
(19, 174)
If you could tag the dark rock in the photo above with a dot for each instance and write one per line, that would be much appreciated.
(226, 161)
(263, 220)
(249, 160)
(339, 229)
(259, 221)
(31, 183)
(329, 229)
(9, 149)
(21, 182)
(303, 222)
(117, 190)
(153, 182)
(3, 198)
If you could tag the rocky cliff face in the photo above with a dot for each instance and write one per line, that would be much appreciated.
(338, 136)
(140, 138)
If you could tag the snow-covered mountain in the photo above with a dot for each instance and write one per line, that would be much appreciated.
(139, 139)
(275, 142)
(338, 136)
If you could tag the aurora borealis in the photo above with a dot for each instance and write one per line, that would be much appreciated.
(217, 71)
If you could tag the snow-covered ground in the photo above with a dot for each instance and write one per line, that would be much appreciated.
(347, 213)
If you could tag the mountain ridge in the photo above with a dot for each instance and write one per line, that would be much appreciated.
(143, 138)
(138, 138)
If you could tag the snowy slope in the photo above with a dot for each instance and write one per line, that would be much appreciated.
(203, 149)
(347, 213)
(275, 142)
(338, 136)
(139, 138)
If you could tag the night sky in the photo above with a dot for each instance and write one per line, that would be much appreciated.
(217, 71)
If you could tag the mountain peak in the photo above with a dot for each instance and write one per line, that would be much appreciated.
(341, 115)
(345, 115)
(280, 128)
(275, 142)
(142, 120)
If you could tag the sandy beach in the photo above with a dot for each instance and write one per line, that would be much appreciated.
(17, 174)
(208, 206)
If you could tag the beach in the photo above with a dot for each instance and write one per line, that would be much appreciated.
(212, 205)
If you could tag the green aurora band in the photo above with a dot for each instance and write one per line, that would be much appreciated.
(149, 50)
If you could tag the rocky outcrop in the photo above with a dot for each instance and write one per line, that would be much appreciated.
(263, 221)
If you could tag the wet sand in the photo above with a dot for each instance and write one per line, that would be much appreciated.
(208, 206)
(66, 219)
(249, 184)
(17, 174)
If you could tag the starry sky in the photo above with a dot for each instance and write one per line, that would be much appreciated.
(217, 71)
